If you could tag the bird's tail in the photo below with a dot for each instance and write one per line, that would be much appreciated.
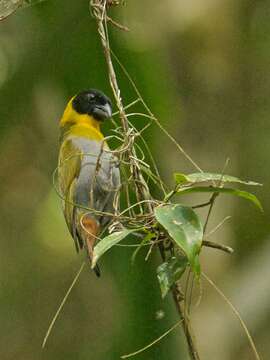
(91, 227)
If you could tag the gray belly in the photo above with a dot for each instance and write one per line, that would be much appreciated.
(99, 178)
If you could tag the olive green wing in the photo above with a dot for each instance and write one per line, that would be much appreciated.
(69, 166)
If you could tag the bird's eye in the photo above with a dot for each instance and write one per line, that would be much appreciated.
(91, 96)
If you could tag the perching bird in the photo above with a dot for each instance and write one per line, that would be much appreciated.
(88, 173)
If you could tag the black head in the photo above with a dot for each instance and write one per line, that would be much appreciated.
(94, 103)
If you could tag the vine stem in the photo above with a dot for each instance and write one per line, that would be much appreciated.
(98, 9)
(180, 306)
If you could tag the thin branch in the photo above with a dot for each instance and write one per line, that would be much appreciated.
(251, 342)
(61, 306)
(215, 245)
(211, 202)
(216, 228)
(153, 342)
(128, 106)
(162, 128)
(116, 24)
(180, 306)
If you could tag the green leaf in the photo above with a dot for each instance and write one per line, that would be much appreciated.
(107, 242)
(169, 272)
(211, 189)
(184, 227)
(197, 265)
(181, 178)
(204, 177)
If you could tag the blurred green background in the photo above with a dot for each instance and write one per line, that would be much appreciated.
(203, 68)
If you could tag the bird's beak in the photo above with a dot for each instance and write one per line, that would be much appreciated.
(103, 111)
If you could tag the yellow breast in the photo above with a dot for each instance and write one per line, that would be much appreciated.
(82, 125)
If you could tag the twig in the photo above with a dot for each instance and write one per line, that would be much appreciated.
(215, 245)
(216, 228)
(116, 24)
(153, 342)
(162, 128)
(61, 306)
(211, 203)
(251, 342)
(127, 107)
(180, 306)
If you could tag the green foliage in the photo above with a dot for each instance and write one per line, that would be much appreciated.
(185, 228)
(171, 271)
(207, 177)
(182, 225)
(211, 189)
(109, 241)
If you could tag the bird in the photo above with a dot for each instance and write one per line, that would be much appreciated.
(88, 172)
